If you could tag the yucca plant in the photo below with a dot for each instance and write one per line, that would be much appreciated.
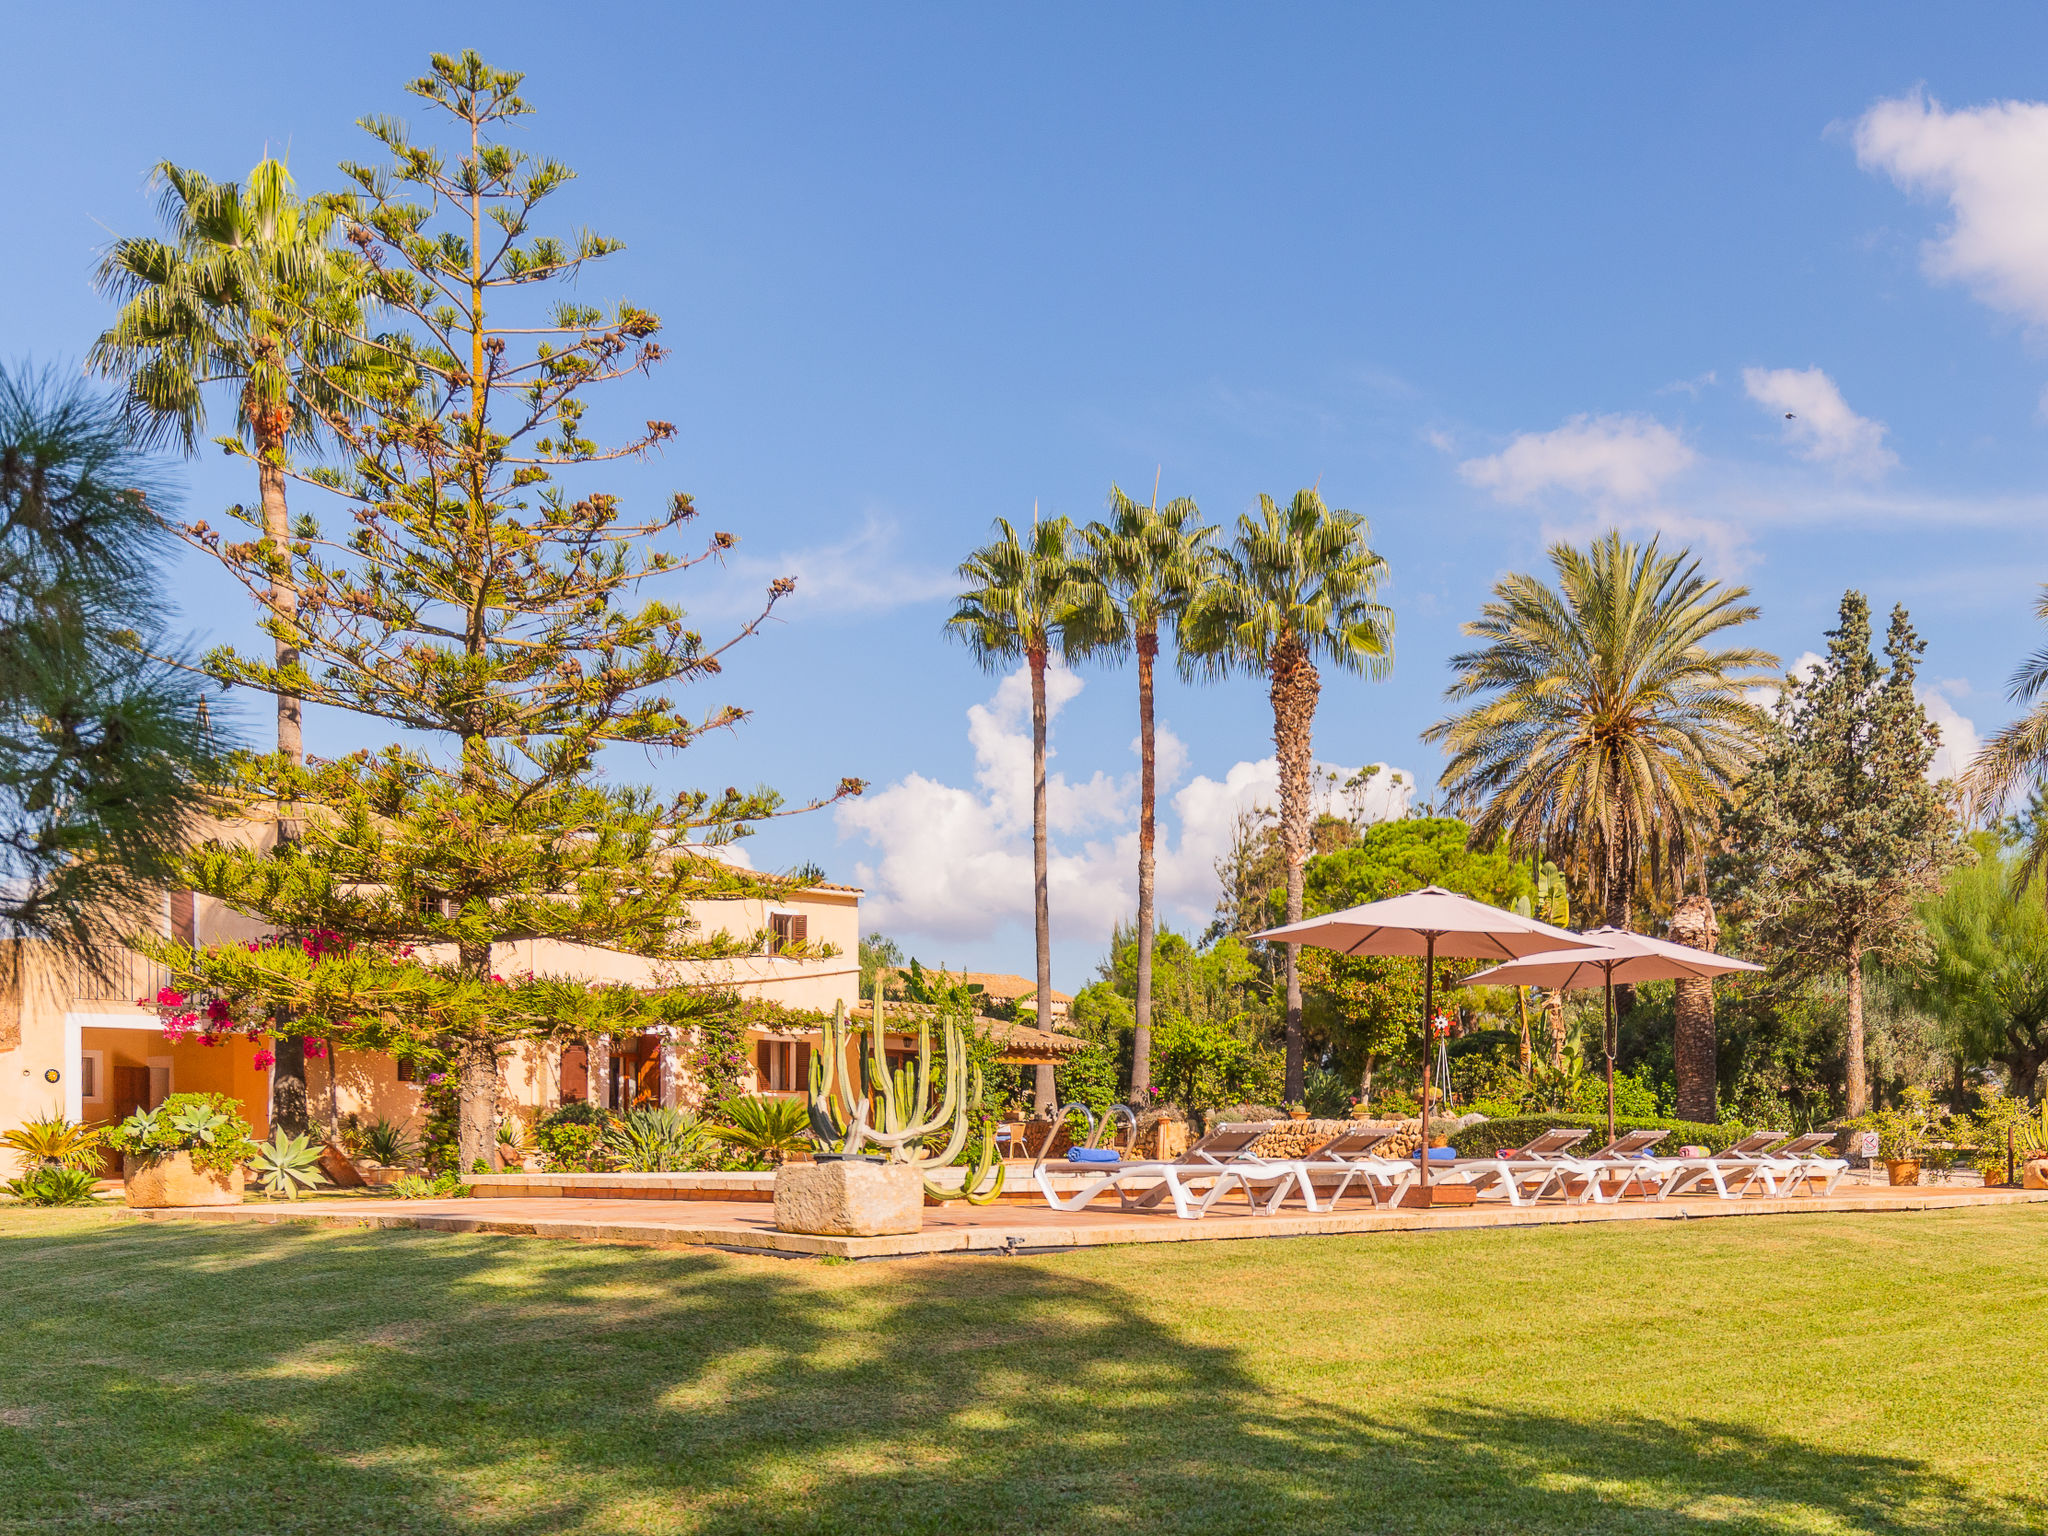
(655, 1140)
(769, 1128)
(287, 1164)
(54, 1186)
(55, 1142)
(384, 1141)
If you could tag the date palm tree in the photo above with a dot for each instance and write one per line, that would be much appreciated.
(1027, 595)
(1151, 560)
(1297, 585)
(1607, 721)
(2016, 755)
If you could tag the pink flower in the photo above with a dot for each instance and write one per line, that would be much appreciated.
(170, 997)
(262, 1061)
(314, 1049)
(219, 1011)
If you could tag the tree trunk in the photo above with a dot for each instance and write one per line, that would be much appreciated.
(1553, 1009)
(290, 1110)
(476, 1102)
(1141, 1037)
(1524, 1059)
(1856, 1081)
(1041, 887)
(1694, 1054)
(1295, 687)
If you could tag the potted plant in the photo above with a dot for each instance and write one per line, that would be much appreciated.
(189, 1150)
(1903, 1135)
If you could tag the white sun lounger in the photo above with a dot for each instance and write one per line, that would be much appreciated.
(1788, 1169)
(1521, 1176)
(1740, 1166)
(1349, 1157)
(1606, 1176)
(1221, 1161)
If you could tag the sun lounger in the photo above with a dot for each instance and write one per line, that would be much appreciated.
(1741, 1165)
(1221, 1161)
(1605, 1176)
(1350, 1156)
(1520, 1175)
(1788, 1169)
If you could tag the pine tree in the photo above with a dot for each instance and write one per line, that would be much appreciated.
(480, 599)
(1837, 832)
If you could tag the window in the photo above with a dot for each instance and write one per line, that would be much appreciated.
(407, 1072)
(89, 1074)
(785, 929)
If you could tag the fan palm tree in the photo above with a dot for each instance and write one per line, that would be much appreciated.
(1151, 561)
(242, 291)
(1296, 586)
(1607, 721)
(2017, 754)
(1025, 596)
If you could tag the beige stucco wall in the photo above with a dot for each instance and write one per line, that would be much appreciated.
(46, 1025)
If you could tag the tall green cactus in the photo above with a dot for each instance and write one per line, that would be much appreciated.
(892, 1107)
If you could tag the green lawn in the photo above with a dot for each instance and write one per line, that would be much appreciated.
(1830, 1373)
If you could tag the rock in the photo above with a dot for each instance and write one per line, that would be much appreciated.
(849, 1199)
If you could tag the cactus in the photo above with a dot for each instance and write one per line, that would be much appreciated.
(892, 1107)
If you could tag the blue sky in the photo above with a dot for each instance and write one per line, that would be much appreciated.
(1491, 275)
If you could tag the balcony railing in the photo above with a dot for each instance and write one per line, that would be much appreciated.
(130, 977)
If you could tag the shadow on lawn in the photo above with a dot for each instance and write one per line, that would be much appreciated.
(280, 1380)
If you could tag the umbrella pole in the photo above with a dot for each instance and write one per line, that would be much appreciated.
(1607, 1045)
(1428, 1042)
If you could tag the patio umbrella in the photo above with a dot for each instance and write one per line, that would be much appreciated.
(1429, 924)
(1620, 956)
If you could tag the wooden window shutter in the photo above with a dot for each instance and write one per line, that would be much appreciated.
(799, 928)
(182, 924)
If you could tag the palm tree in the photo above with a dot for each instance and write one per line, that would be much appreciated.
(1297, 585)
(2016, 754)
(1151, 562)
(243, 291)
(1607, 724)
(1026, 595)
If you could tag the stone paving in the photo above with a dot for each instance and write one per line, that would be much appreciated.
(750, 1224)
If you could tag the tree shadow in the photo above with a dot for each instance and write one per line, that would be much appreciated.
(283, 1379)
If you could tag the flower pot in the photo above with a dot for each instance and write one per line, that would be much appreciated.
(1902, 1170)
(170, 1181)
(2035, 1176)
(1297, 1114)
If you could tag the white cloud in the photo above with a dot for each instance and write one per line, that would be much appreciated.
(1610, 459)
(1818, 422)
(1990, 164)
(953, 863)
(1959, 738)
(863, 572)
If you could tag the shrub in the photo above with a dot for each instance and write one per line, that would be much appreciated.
(208, 1126)
(770, 1128)
(54, 1186)
(1489, 1136)
(446, 1186)
(654, 1140)
(54, 1142)
(571, 1137)
(288, 1164)
(384, 1141)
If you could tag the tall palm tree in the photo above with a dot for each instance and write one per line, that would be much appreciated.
(243, 291)
(1298, 584)
(1025, 596)
(1607, 723)
(1151, 560)
(2017, 754)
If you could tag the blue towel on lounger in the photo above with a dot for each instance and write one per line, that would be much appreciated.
(1440, 1154)
(1093, 1155)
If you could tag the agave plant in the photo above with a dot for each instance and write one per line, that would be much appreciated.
(384, 1141)
(55, 1142)
(201, 1122)
(288, 1164)
(765, 1126)
(54, 1186)
(893, 1108)
(655, 1140)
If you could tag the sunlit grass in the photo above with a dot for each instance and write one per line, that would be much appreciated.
(1834, 1374)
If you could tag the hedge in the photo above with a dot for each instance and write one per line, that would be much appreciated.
(1489, 1136)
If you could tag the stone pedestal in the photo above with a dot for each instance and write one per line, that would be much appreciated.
(2035, 1175)
(172, 1181)
(849, 1199)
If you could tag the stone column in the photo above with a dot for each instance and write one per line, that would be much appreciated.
(600, 1089)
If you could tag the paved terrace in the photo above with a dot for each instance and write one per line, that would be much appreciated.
(749, 1224)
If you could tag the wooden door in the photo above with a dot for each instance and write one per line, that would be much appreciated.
(130, 1092)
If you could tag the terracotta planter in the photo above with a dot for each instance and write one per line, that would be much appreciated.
(1297, 1114)
(172, 1181)
(1902, 1170)
(2035, 1175)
